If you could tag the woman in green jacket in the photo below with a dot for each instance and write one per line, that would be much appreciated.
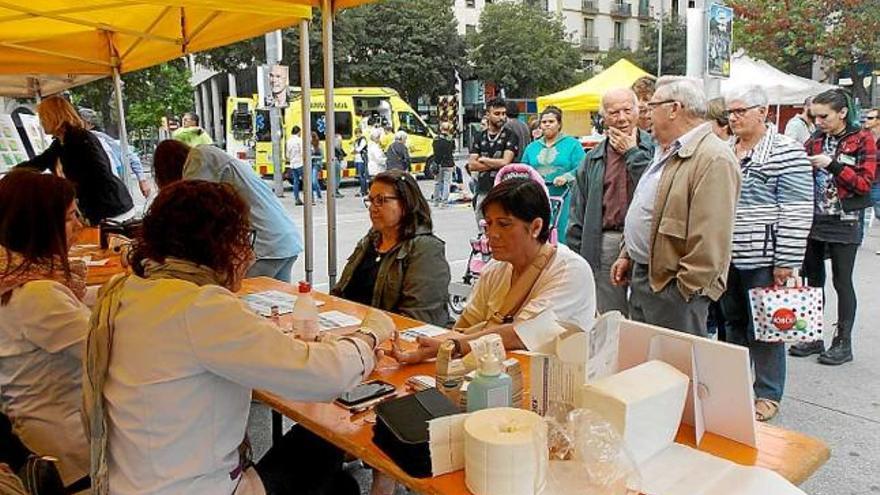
(400, 265)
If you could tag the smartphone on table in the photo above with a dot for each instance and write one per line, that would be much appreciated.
(366, 394)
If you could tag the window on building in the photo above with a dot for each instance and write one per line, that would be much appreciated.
(589, 28)
(675, 8)
(643, 33)
(470, 29)
(618, 32)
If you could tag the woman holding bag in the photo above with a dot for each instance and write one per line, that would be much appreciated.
(844, 162)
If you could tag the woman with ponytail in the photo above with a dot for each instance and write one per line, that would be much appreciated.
(844, 162)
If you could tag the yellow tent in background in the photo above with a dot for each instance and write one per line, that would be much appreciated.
(587, 96)
(577, 102)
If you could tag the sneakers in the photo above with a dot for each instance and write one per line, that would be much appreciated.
(804, 349)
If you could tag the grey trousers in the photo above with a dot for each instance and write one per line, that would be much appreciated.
(279, 269)
(666, 308)
(609, 297)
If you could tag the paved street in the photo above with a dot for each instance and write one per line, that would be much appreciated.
(839, 405)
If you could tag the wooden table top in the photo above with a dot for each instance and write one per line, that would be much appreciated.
(793, 455)
(87, 244)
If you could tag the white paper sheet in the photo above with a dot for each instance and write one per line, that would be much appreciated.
(682, 470)
(330, 320)
(411, 334)
(262, 302)
(446, 443)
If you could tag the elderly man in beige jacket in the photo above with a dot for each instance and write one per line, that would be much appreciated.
(679, 226)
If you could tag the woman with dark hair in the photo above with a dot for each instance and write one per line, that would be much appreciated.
(278, 241)
(317, 164)
(556, 157)
(400, 265)
(527, 276)
(167, 403)
(844, 159)
(83, 161)
(43, 321)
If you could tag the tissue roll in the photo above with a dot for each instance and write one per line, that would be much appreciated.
(505, 452)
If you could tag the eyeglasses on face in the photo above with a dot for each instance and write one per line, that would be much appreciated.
(739, 112)
(654, 104)
(378, 200)
(871, 117)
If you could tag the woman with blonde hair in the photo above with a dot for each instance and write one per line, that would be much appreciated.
(83, 161)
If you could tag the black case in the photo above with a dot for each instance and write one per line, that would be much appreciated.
(401, 428)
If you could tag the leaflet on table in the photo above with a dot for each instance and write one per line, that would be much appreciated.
(262, 302)
(330, 320)
(411, 334)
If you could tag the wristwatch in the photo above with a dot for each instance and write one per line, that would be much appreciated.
(372, 335)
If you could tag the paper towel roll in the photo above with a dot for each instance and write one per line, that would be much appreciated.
(505, 452)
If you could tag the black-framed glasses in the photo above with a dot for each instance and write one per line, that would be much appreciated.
(870, 117)
(378, 200)
(252, 238)
(654, 104)
(739, 112)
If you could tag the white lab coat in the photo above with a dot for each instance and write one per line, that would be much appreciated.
(185, 360)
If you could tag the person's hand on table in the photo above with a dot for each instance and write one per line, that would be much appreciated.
(427, 348)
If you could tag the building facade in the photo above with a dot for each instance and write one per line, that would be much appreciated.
(597, 26)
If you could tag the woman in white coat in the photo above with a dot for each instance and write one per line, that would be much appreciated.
(168, 403)
(375, 154)
(43, 321)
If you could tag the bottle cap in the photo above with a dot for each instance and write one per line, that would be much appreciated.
(490, 365)
(304, 287)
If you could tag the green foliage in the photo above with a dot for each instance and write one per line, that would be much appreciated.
(788, 33)
(148, 95)
(523, 49)
(409, 45)
(674, 49)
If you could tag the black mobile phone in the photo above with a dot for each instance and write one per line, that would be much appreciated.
(365, 392)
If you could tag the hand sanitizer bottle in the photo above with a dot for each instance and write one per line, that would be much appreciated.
(491, 387)
(305, 314)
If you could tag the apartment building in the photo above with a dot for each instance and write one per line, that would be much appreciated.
(595, 25)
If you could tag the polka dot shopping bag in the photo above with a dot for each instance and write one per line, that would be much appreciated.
(787, 314)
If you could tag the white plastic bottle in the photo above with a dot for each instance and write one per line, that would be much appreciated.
(305, 314)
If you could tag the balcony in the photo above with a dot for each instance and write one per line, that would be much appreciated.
(590, 44)
(621, 9)
(616, 44)
(590, 6)
(645, 11)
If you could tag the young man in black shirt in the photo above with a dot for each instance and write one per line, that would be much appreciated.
(496, 147)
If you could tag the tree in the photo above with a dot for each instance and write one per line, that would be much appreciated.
(523, 49)
(410, 45)
(789, 33)
(674, 49)
(148, 95)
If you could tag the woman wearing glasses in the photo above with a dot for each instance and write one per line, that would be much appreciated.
(43, 321)
(400, 265)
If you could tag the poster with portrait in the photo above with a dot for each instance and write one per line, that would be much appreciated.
(272, 85)
(12, 150)
(719, 40)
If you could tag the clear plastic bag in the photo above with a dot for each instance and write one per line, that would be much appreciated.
(587, 456)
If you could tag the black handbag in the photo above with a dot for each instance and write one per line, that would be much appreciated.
(401, 428)
(856, 203)
(129, 228)
(39, 475)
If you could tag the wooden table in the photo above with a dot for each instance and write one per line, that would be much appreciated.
(88, 244)
(793, 455)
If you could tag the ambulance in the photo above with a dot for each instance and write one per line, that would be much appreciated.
(249, 136)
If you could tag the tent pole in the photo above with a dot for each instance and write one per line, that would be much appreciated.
(777, 116)
(306, 85)
(123, 133)
(327, 42)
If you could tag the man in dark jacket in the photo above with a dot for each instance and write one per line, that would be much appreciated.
(603, 190)
(398, 154)
(518, 127)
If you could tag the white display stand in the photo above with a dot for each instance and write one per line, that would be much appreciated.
(12, 150)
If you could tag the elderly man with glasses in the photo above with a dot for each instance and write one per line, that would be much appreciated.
(773, 219)
(679, 226)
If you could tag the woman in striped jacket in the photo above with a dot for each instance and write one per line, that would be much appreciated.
(844, 159)
(773, 218)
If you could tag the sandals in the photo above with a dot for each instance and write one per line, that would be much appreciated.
(765, 409)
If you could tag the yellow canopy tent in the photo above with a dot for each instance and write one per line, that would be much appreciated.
(577, 102)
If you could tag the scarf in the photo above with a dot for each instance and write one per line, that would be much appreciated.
(99, 343)
(14, 273)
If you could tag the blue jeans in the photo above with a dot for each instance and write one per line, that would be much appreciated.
(296, 179)
(363, 177)
(442, 184)
(875, 197)
(767, 358)
(279, 268)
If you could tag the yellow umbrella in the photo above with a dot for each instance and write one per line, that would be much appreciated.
(587, 96)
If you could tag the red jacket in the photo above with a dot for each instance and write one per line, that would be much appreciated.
(853, 165)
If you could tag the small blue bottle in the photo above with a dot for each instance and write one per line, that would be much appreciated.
(491, 387)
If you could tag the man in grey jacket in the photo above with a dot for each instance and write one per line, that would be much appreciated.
(603, 190)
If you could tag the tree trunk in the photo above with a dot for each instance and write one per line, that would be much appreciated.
(858, 87)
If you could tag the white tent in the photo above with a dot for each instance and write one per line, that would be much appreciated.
(782, 88)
